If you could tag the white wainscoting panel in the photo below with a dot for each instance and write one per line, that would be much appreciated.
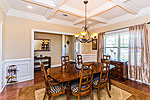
(24, 68)
(3, 83)
(89, 57)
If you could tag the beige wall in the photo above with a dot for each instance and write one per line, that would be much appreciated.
(87, 49)
(2, 18)
(18, 35)
(55, 48)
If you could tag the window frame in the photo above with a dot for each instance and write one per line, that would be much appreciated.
(119, 43)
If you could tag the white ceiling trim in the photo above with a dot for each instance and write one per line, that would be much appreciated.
(79, 20)
(130, 8)
(112, 3)
(41, 2)
(99, 19)
(71, 10)
(54, 32)
(102, 9)
(142, 12)
(67, 9)
(4, 5)
(36, 17)
(50, 13)
(99, 10)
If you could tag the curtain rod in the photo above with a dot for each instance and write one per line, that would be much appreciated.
(121, 28)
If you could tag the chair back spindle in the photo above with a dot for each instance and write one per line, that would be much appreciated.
(53, 88)
(64, 60)
(105, 72)
(85, 85)
(79, 59)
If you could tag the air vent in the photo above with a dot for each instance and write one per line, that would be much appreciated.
(65, 15)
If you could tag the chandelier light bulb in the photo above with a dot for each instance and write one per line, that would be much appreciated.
(76, 35)
(83, 33)
(30, 7)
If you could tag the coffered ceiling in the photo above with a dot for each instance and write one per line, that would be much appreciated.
(71, 12)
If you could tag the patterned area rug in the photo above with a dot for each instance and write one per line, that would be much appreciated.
(120, 90)
(116, 94)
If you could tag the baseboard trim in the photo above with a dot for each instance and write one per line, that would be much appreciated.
(2, 88)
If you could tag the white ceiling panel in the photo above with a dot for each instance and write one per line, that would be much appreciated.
(59, 15)
(92, 4)
(90, 22)
(139, 3)
(103, 10)
(112, 13)
(21, 5)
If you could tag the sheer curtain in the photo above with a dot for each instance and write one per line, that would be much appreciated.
(139, 62)
(100, 46)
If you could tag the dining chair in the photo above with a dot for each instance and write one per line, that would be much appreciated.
(102, 80)
(85, 84)
(64, 60)
(79, 59)
(52, 87)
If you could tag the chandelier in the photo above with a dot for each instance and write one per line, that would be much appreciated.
(85, 36)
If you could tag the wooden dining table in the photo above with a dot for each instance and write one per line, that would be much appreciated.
(72, 73)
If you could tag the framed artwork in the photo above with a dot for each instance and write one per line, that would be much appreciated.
(94, 44)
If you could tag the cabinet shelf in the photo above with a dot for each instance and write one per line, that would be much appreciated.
(45, 60)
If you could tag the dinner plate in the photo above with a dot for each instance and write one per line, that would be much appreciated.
(80, 67)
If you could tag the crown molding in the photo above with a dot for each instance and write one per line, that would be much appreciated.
(142, 12)
(36, 17)
(4, 5)
(46, 3)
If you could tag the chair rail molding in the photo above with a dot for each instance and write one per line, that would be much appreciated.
(89, 57)
(24, 68)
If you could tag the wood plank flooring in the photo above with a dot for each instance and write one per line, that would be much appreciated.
(10, 92)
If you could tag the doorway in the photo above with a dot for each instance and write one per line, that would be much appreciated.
(66, 42)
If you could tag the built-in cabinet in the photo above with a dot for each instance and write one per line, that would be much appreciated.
(45, 60)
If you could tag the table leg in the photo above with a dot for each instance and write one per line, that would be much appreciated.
(109, 80)
(68, 91)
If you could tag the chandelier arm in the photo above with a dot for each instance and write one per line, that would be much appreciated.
(88, 32)
(86, 36)
(80, 40)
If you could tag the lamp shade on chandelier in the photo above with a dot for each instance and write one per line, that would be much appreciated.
(85, 36)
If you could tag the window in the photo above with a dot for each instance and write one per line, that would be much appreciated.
(116, 45)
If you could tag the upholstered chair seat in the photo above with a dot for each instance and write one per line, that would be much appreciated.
(96, 81)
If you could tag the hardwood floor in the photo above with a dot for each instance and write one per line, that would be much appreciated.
(10, 92)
